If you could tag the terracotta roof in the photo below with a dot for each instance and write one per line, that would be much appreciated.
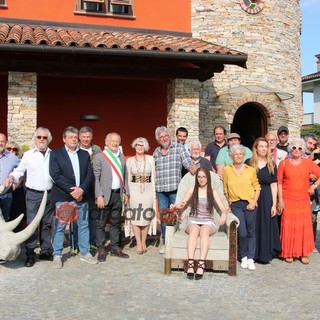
(25, 34)
(312, 76)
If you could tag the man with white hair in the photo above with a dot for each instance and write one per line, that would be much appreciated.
(169, 158)
(195, 152)
(276, 153)
(35, 165)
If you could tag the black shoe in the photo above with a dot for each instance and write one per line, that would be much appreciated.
(46, 256)
(190, 275)
(102, 255)
(30, 262)
(201, 266)
(118, 253)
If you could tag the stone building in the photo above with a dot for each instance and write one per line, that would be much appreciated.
(68, 65)
(252, 101)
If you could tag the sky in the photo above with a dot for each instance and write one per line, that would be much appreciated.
(310, 43)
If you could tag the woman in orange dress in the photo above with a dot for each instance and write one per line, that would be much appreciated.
(294, 193)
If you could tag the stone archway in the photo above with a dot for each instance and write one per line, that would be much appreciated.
(250, 122)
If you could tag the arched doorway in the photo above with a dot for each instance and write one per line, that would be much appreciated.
(250, 122)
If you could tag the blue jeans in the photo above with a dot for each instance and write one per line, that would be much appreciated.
(83, 231)
(164, 201)
(5, 204)
(246, 229)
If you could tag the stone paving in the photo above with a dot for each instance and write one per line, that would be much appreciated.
(136, 288)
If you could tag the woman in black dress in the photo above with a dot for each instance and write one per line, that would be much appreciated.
(267, 229)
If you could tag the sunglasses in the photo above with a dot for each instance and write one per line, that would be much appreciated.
(12, 149)
(42, 137)
(295, 148)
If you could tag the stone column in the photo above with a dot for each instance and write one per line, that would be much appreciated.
(22, 106)
(183, 106)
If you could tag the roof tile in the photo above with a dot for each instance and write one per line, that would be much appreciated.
(92, 38)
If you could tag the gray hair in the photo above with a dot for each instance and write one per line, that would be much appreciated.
(47, 131)
(312, 136)
(235, 147)
(194, 142)
(70, 129)
(85, 130)
(162, 129)
(142, 140)
(295, 141)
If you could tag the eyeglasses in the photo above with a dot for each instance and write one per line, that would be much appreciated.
(295, 148)
(12, 149)
(140, 145)
(42, 137)
(164, 136)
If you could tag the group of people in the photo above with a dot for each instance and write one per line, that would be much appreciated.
(268, 189)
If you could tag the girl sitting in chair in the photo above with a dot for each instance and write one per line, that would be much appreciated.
(202, 199)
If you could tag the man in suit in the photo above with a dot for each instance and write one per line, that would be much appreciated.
(72, 176)
(110, 188)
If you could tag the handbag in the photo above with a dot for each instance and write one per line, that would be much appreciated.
(170, 217)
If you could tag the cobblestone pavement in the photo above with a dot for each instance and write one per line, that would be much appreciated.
(136, 288)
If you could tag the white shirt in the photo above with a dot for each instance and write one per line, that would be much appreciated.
(73, 155)
(37, 168)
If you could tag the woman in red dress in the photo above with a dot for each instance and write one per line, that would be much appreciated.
(294, 192)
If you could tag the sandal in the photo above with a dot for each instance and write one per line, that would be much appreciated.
(304, 260)
(201, 266)
(190, 275)
(289, 260)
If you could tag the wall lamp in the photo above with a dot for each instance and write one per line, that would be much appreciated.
(92, 117)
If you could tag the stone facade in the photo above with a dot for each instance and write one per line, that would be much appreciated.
(271, 38)
(22, 106)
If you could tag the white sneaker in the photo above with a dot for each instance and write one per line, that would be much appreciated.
(57, 262)
(2, 261)
(162, 250)
(251, 265)
(244, 263)
(88, 258)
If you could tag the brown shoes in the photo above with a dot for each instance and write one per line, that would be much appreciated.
(118, 253)
(102, 255)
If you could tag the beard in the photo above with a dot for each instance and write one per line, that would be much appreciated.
(283, 141)
(165, 145)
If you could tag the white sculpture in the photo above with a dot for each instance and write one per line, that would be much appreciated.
(10, 241)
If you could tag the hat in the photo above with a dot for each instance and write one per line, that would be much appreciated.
(283, 128)
(233, 136)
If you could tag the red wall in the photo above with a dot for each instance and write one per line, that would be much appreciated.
(174, 15)
(3, 103)
(132, 108)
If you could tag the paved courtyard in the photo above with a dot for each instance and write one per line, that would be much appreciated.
(136, 288)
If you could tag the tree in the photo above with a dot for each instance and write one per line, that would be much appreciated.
(315, 128)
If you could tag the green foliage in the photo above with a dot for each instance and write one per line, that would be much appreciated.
(315, 128)
(24, 147)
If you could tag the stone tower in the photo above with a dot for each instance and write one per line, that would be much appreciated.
(249, 101)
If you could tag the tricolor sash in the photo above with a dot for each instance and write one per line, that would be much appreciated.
(114, 163)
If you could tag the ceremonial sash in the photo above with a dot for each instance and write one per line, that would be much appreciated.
(115, 165)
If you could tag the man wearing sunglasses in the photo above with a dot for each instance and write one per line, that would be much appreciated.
(35, 165)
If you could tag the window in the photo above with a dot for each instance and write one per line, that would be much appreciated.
(3, 3)
(105, 7)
